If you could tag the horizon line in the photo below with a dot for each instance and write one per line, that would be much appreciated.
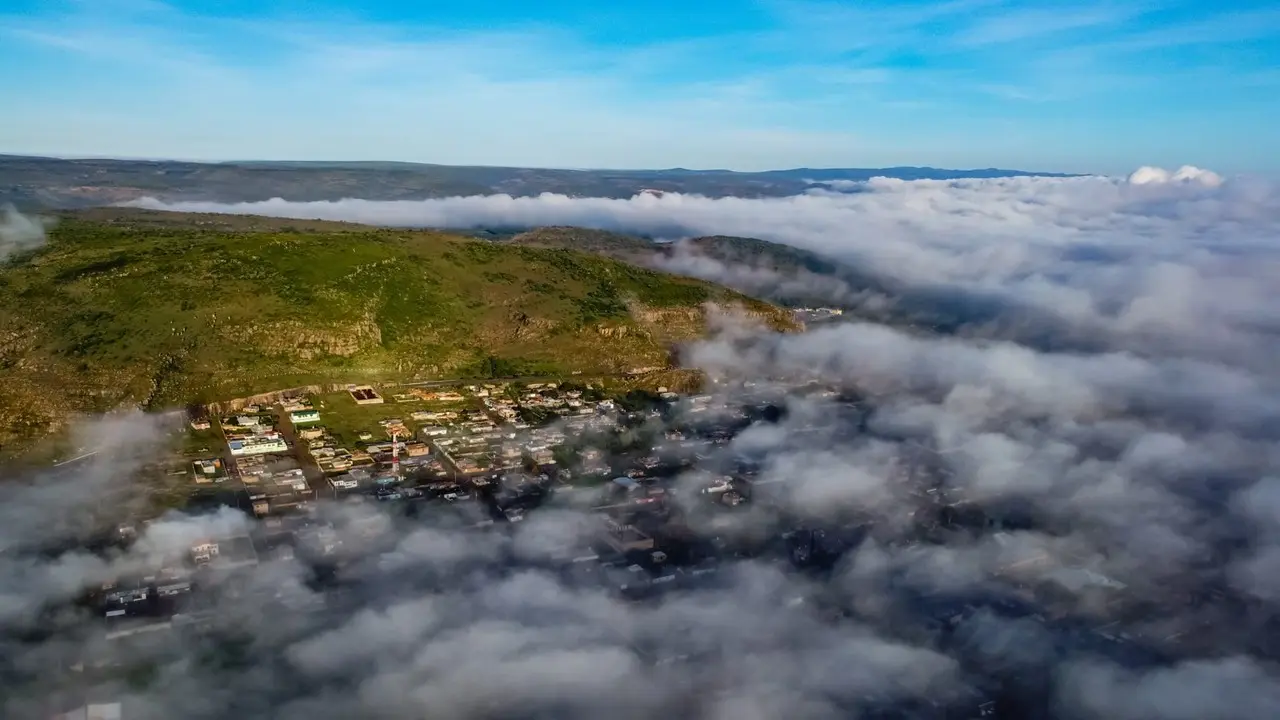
(195, 161)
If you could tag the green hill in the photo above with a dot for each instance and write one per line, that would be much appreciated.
(795, 277)
(627, 248)
(164, 309)
(792, 268)
(755, 252)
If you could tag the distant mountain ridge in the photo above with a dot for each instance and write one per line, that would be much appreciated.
(74, 183)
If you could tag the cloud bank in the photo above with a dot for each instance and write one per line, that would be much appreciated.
(1121, 563)
(1161, 262)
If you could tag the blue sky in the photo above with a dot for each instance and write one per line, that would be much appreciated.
(744, 84)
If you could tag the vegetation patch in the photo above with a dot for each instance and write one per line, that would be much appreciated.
(161, 310)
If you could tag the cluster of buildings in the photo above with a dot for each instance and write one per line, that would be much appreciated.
(273, 483)
(252, 433)
(809, 315)
(264, 462)
(147, 598)
(668, 513)
(468, 443)
(259, 461)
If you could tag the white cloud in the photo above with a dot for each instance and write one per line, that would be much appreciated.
(1148, 175)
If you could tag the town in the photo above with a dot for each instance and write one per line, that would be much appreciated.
(668, 498)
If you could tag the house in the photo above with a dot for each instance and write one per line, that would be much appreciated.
(204, 552)
(207, 470)
(296, 404)
(396, 428)
(208, 467)
(304, 416)
(311, 433)
(200, 424)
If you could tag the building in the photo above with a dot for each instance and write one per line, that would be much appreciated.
(344, 482)
(208, 470)
(623, 537)
(304, 416)
(354, 480)
(204, 552)
(311, 433)
(365, 395)
(258, 444)
(279, 490)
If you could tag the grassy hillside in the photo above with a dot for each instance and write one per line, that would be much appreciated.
(627, 248)
(794, 277)
(762, 253)
(786, 262)
(161, 310)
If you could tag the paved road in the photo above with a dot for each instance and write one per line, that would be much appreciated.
(315, 476)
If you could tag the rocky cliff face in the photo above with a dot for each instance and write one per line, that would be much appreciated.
(294, 339)
(658, 316)
(685, 323)
(528, 327)
(613, 332)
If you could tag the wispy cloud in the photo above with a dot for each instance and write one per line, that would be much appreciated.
(19, 232)
(1037, 24)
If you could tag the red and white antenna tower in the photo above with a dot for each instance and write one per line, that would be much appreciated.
(395, 454)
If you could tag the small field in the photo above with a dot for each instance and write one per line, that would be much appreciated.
(202, 443)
